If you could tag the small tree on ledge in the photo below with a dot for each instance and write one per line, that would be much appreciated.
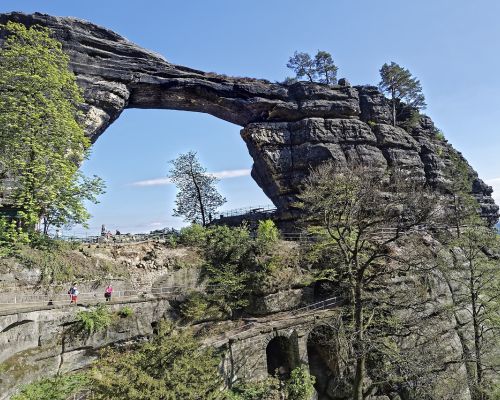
(320, 69)
(399, 83)
(197, 197)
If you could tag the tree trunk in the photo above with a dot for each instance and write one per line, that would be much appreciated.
(359, 349)
(477, 333)
(200, 199)
(393, 95)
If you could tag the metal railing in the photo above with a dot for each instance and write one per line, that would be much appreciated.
(63, 298)
(266, 209)
(116, 239)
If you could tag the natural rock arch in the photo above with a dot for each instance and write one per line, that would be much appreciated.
(287, 128)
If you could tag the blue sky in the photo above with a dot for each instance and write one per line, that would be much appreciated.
(452, 46)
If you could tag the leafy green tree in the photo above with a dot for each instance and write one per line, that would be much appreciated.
(321, 68)
(230, 260)
(267, 234)
(192, 235)
(41, 140)
(171, 366)
(10, 236)
(197, 197)
(399, 83)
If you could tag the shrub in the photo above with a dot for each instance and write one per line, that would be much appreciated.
(193, 235)
(198, 308)
(126, 312)
(300, 386)
(439, 135)
(267, 234)
(268, 389)
(60, 387)
(228, 252)
(94, 320)
(227, 245)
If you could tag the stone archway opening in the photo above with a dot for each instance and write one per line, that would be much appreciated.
(281, 354)
(323, 360)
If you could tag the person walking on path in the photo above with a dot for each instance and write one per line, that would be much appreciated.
(73, 294)
(108, 292)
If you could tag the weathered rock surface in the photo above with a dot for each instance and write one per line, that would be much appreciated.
(287, 128)
(40, 343)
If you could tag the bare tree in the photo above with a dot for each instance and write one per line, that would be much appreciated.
(363, 216)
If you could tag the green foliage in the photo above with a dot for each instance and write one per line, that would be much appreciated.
(399, 83)
(94, 320)
(197, 198)
(300, 386)
(41, 140)
(372, 124)
(126, 312)
(10, 237)
(321, 68)
(192, 235)
(171, 366)
(439, 135)
(225, 245)
(60, 387)
(199, 307)
(228, 252)
(267, 234)
(268, 389)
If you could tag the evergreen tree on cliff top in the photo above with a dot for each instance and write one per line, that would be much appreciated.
(41, 140)
(320, 69)
(197, 197)
(399, 83)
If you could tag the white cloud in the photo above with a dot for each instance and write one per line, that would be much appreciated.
(232, 173)
(495, 183)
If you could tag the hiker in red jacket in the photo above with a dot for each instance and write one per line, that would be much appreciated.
(108, 292)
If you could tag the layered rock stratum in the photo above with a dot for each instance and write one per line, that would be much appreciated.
(287, 128)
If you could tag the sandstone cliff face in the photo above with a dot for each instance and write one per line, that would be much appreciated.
(39, 343)
(287, 128)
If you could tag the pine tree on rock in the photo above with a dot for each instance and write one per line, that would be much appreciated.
(320, 69)
(399, 83)
(197, 197)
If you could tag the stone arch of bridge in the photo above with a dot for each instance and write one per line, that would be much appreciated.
(322, 354)
(282, 354)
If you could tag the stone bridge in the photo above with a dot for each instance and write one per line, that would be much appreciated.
(279, 345)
